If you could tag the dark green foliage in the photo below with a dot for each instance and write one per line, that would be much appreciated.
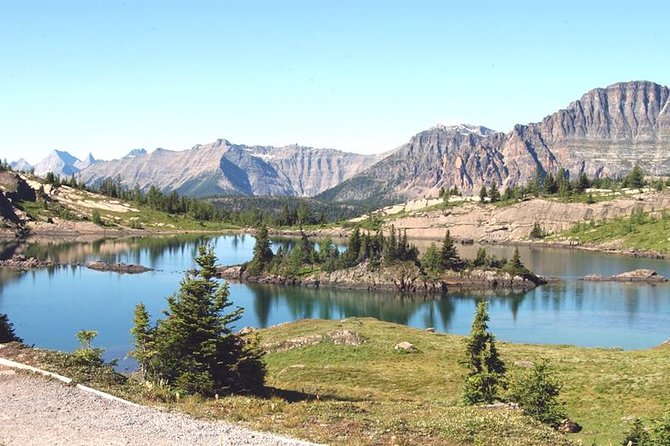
(656, 432)
(95, 218)
(494, 193)
(635, 179)
(550, 185)
(483, 194)
(515, 266)
(637, 435)
(537, 390)
(583, 183)
(537, 232)
(144, 338)
(195, 349)
(7, 330)
(431, 260)
(486, 370)
(483, 259)
(449, 259)
(262, 253)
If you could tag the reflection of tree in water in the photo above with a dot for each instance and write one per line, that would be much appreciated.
(263, 297)
(632, 296)
(334, 303)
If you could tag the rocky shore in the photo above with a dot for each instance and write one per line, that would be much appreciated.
(638, 275)
(400, 278)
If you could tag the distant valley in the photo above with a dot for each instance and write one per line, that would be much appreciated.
(605, 133)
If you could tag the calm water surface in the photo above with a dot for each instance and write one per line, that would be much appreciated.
(48, 307)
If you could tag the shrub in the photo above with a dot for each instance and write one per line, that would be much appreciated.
(536, 390)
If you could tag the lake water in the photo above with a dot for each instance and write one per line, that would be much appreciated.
(48, 306)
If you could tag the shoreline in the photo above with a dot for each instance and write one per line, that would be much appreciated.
(89, 235)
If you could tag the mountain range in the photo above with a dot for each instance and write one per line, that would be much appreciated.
(606, 132)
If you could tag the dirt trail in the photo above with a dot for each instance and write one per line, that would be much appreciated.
(39, 411)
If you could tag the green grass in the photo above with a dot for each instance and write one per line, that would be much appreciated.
(369, 394)
(640, 231)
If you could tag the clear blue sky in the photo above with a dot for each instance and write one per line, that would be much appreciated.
(108, 76)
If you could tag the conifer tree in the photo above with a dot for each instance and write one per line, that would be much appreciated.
(262, 253)
(144, 337)
(7, 330)
(195, 348)
(449, 258)
(483, 194)
(486, 371)
(494, 193)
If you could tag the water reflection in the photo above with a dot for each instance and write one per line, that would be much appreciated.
(48, 306)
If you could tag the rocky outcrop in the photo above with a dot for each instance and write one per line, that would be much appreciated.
(122, 268)
(224, 168)
(21, 262)
(638, 275)
(403, 277)
(606, 132)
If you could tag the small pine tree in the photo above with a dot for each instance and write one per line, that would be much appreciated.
(494, 193)
(583, 183)
(262, 253)
(431, 260)
(486, 371)
(7, 330)
(550, 185)
(195, 348)
(483, 195)
(144, 336)
(449, 258)
(536, 391)
(537, 231)
(515, 266)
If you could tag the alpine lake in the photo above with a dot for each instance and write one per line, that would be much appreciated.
(48, 306)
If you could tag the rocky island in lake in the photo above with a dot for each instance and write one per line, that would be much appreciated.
(379, 262)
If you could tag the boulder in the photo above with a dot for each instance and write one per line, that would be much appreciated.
(406, 347)
(637, 275)
(568, 426)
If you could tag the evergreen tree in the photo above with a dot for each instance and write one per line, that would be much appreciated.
(480, 259)
(486, 371)
(515, 266)
(195, 348)
(144, 339)
(431, 260)
(354, 245)
(7, 330)
(583, 183)
(262, 253)
(483, 194)
(635, 178)
(550, 185)
(494, 193)
(449, 258)
(390, 248)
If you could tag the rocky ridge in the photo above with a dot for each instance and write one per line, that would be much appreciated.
(605, 133)
(224, 168)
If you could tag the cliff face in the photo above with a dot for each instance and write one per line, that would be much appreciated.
(606, 132)
(224, 168)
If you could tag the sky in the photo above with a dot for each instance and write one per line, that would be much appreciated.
(107, 76)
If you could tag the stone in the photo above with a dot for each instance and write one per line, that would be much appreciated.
(568, 426)
(406, 347)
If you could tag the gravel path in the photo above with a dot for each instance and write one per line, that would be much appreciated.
(39, 411)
